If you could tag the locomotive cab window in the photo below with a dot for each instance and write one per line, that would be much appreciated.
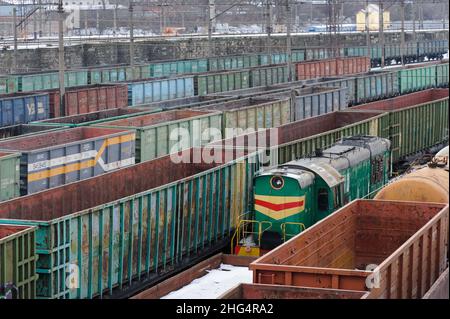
(322, 199)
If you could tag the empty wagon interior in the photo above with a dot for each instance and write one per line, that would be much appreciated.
(7, 230)
(361, 234)
(157, 118)
(405, 101)
(62, 137)
(21, 129)
(239, 104)
(298, 130)
(78, 196)
(95, 116)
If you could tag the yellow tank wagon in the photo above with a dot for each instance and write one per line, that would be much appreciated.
(428, 184)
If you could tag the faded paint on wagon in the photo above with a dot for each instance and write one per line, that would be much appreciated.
(23, 108)
(417, 121)
(18, 262)
(133, 223)
(155, 90)
(56, 158)
(9, 175)
(89, 99)
(252, 113)
(215, 82)
(157, 134)
(335, 252)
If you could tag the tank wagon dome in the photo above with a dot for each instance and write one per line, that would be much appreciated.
(428, 184)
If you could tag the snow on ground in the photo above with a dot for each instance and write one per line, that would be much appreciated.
(215, 283)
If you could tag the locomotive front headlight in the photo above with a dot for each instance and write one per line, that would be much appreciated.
(277, 182)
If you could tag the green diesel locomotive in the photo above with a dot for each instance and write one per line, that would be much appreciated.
(295, 195)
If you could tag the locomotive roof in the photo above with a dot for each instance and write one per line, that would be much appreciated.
(346, 153)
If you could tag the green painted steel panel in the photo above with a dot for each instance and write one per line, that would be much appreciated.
(221, 82)
(264, 76)
(415, 79)
(9, 175)
(375, 126)
(9, 84)
(111, 245)
(179, 67)
(442, 74)
(417, 128)
(159, 139)
(18, 262)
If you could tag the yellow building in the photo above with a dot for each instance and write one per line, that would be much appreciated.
(373, 18)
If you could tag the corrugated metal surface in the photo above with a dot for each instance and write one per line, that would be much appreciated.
(9, 176)
(9, 84)
(442, 74)
(221, 82)
(168, 68)
(332, 67)
(417, 121)
(415, 79)
(320, 101)
(48, 81)
(23, 108)
(156, 90)
(60, 157)
(376, 86)
(126, 226)
(89, 99)
(222, 63)
(168, 132)
(335, 253)
(269, 75)
(302, 138)
(252, 114)
(18, 262)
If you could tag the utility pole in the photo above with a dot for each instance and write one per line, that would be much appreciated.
(444, 10)
(131, 22)
(269, 30)
(402, 36)
(15, 38)
(41, 27)
(413, 14)
(62, 87)
(368, 44)
(420, 14)
(289, 40)
(381, 31)
(115, 17)
(211, 25)
(34, 21)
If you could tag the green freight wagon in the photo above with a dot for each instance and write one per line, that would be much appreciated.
(9, 84)
(18, 258)
(279, 58)
(269, 75)
(159, 134)
(9, 175)
(179, 67)
(236, 62)
(50, 80)
(417, 121)
(442, 73)
(304, 138)
(415, 79)
(215, 82)
(135, 224)
(252, 114)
